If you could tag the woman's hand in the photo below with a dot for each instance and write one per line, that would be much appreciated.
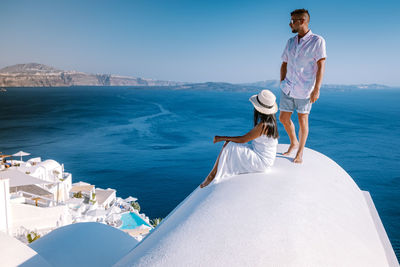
(217, 139)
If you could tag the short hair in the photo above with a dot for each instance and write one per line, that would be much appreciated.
(300, 12)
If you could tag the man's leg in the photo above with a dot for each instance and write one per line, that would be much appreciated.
(284, 118)
(303, 134)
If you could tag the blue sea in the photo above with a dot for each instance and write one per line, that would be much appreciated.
(156, 143)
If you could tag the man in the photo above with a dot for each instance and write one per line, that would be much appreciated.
(301, 77)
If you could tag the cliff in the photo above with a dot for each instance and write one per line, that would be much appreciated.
(39, 75)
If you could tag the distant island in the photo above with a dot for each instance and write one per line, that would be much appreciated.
(39, 75)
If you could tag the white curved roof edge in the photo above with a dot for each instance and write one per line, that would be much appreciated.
(312, 214)
(390, 254)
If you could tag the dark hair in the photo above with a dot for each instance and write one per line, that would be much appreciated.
(270, 127)
(300, 12)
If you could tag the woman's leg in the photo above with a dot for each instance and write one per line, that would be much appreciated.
(214, 170)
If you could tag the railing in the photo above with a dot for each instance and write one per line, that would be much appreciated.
(40, 202)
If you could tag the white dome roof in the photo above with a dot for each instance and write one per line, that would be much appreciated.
(84, 244)
(50, 164)
(310, 214)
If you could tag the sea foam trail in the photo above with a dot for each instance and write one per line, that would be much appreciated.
(140, 124)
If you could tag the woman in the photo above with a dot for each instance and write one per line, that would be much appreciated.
(236, 156)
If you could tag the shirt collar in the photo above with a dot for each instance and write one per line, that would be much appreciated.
(305, 37)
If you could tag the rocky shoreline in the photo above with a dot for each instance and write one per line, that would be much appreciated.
(39, 75)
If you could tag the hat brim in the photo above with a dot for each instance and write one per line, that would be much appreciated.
(262, 109)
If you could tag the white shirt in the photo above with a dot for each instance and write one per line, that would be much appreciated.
(301, 58)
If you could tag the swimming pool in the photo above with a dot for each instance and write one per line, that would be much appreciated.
(131, 220)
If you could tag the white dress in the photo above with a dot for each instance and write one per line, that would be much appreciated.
(246, 158)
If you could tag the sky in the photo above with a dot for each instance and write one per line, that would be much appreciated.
(200, 41)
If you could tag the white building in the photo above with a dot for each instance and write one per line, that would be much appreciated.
(105, 197)
(83, 190)
(32, 196)
(5, 208)
(60, 182)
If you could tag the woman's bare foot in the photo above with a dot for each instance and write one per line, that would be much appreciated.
(299, 157)
(208, 180)
(291, 148)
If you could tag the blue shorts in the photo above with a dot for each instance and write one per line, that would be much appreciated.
(290, 104)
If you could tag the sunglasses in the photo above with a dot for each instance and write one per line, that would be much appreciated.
(292, 21)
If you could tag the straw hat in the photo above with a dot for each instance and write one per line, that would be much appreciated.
(264, 102)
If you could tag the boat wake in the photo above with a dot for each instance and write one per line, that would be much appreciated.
(140, 124)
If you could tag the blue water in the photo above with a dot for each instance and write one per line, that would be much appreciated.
(131, 220)
(156, 144)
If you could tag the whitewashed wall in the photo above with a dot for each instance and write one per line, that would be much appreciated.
(32, 217)
(5, 215)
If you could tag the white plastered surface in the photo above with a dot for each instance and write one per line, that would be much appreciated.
(312, 214)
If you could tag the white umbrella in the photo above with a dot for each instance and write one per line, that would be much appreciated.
(21, 154)
(130, 199)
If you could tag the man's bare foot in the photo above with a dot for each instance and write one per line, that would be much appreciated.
(298, 158)
(291, 148)
(207, 181)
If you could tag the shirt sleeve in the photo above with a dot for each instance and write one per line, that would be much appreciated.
(284, 56)
(320, 49)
